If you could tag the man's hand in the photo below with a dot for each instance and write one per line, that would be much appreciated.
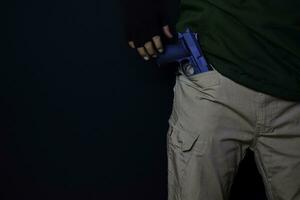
(153, 46)
(147, 24)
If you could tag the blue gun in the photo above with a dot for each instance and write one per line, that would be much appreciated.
(187, 53)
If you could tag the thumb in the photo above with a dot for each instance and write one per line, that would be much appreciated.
(170, 34)
(167, 31)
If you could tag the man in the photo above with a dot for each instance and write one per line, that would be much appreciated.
(250, 100)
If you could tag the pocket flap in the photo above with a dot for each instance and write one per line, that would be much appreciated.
(184, 139)
(188, 141)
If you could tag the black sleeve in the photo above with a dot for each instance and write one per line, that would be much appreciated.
(144, 19)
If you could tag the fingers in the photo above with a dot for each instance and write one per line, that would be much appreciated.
(147, 50)
(131, 44)
(150, 48)
(157, 43)
(142, 51)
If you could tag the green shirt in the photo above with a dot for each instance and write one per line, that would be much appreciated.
(253, 42)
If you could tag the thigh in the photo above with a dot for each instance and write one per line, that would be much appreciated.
(207, 137)
(277, 152)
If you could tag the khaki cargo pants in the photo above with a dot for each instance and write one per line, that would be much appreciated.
(214, 120)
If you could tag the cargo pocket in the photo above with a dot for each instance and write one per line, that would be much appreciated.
(182, 146)
(184, 140)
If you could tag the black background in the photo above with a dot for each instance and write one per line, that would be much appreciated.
(82, 116)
